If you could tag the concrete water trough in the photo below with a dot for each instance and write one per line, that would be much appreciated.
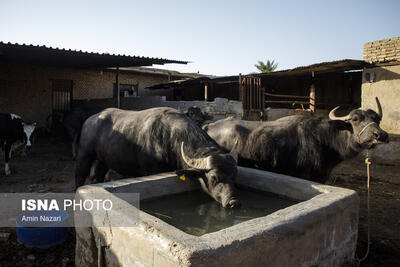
(320, 230)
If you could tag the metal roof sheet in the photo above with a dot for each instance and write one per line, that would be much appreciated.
(155, 71)
(192, 81)
(324, 67)
(59, 57)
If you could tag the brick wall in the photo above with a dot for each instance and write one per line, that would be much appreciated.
(382, 51)
(27, 90)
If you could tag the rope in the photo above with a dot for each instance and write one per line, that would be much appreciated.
(359, 134)
(368, 162)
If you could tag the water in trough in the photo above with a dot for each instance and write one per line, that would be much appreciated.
(197, 214)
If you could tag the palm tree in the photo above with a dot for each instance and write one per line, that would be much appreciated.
(266, 67)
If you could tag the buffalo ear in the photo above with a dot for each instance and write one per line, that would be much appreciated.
(341, 125)
(189, 173)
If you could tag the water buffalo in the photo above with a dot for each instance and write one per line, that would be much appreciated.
(73, 121)
(196, 115)
(139, 143)
(302, 146)
(13, 129)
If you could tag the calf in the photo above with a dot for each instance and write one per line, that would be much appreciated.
(13, 129)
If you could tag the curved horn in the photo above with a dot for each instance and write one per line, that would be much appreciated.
(332, 115)
(234, 152)
(200, 163)
(378, 105)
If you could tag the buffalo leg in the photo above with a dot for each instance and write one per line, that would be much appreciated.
(7, 154)
(73, 151)
(82, 169)
(75, 146)
(100, 171)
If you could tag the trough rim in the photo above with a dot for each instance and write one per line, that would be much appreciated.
(324, 200)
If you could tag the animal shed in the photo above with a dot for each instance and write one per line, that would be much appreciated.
(36, 81)
(318, 87)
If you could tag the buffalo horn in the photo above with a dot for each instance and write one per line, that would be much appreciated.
(200, 163)
(332, 115)
(234, 152)
(378, 104)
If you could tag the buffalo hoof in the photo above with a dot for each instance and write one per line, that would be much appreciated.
(233, 203)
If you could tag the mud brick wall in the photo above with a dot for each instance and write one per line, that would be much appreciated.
(383, 81)
(382, 51)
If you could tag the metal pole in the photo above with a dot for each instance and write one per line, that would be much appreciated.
(118, 89)
(206, 92)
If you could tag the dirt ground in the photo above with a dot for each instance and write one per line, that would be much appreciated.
(385, 209)
(49, 168)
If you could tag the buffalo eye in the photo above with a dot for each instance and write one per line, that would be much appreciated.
(355, 119)
(213, 179)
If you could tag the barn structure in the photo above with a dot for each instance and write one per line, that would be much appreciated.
(35, 81)
(317, 88)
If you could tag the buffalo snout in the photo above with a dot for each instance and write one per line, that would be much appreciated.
(381, 136)
(233, 203)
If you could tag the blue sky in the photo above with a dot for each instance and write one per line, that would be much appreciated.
(219, 37)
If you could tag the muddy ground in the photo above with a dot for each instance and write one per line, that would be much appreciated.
(49, 168)
(385, 209)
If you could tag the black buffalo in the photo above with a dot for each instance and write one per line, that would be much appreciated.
(73, 121)
(302, 146)
(13, 129)
(139, 143)
(196, 115)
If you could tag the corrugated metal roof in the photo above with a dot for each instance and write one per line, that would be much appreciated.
(155, 71)
(324, 67)
(43, 55)
(198, 80)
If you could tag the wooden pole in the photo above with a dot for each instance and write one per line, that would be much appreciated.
(312, 98)
(118, 89)
(262, 103)
(206, 92)
(240, 88)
